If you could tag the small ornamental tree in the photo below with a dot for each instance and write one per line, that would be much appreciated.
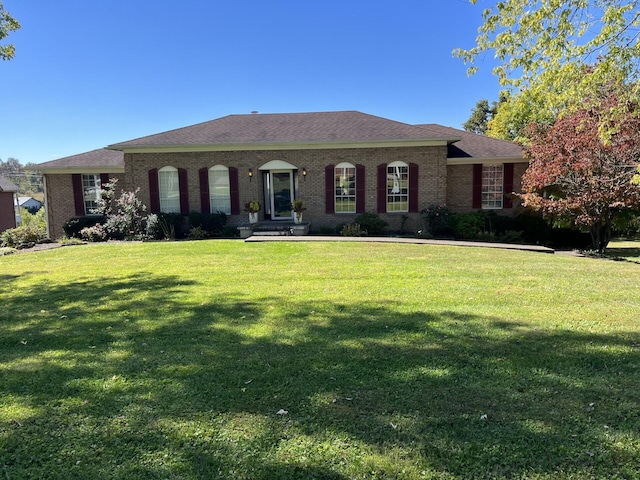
(125, 213)
(582, 170)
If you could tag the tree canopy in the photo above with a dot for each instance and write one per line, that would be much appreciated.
(481, 115)
(26, 177)
(543, 48)
(8, 24)
(574, 173)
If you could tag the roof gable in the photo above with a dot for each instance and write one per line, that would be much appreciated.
(6, 185)
(472, 145)
(100, 158)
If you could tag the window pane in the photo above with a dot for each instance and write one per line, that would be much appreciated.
(345, 189)
(169, 191)
(492, 181)
(90, 192)
(398, 188)
(219, 191)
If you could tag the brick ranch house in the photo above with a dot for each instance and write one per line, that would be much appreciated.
(340, 163)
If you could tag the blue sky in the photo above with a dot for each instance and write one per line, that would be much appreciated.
(88, 73)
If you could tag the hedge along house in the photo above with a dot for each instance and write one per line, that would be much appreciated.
(340, 164)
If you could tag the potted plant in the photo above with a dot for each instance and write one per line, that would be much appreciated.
(252, 207)
(298, 207)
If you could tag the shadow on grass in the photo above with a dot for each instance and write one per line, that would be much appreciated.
(623, 254)
(125, 378)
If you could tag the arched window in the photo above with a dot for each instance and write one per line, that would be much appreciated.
(219, 189)
(169, 189)
(397, 187)
(345, 188)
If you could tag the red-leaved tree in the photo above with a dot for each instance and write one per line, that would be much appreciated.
(582, 166)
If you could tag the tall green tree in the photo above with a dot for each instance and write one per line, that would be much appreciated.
(543, 48)
(8, 24)
(482, 114)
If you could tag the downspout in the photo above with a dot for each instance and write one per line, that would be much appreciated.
(17, 216)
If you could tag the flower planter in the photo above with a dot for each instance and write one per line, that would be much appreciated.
(253, 217)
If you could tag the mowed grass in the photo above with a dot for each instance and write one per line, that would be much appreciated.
(179, 360)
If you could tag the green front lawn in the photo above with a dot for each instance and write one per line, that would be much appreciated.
(179, 359)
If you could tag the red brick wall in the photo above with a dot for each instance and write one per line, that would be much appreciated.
(7, 211)
(431, 161)
(460, 187)
(59, 201)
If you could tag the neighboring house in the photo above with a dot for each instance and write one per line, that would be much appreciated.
(29, 203)
(340, 163)
(8, 193)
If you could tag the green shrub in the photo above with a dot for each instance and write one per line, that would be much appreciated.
(166, 226)
(97, 233)
(352, 230)
(197, 233)
(211, 223)
(467, 226)
(74, 225)
(370, 223)
(23, 236)
(436, 220)
(328, 230)
(230, 232)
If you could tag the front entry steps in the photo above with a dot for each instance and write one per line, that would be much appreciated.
(268, 228)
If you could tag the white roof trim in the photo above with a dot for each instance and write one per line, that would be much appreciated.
(277, 165)
(485, 160)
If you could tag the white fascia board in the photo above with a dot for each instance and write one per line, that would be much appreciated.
(485, 160)
(277, 146)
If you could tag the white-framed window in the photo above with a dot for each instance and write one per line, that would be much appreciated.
(219, 189)
(169, 187)
(492, 186)
(397, 187)
(91, 187)
(345, 188)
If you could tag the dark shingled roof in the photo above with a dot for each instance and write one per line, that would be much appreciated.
(275, 128)
(95, 158)
(6, 185)
(472, 145)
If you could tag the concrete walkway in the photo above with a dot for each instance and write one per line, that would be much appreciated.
(323, 238)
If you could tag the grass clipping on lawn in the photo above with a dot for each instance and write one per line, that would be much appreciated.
(221, 359)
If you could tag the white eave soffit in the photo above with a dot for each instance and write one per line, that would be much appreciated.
(485, 160)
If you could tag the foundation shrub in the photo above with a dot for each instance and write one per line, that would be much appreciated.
(371, 223)
(353, 230)
(212, 224)
(74, 225)
(23, 236)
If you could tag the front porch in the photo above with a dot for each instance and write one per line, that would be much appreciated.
(273, 228)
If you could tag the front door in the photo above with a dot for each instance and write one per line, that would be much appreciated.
(281, 194)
